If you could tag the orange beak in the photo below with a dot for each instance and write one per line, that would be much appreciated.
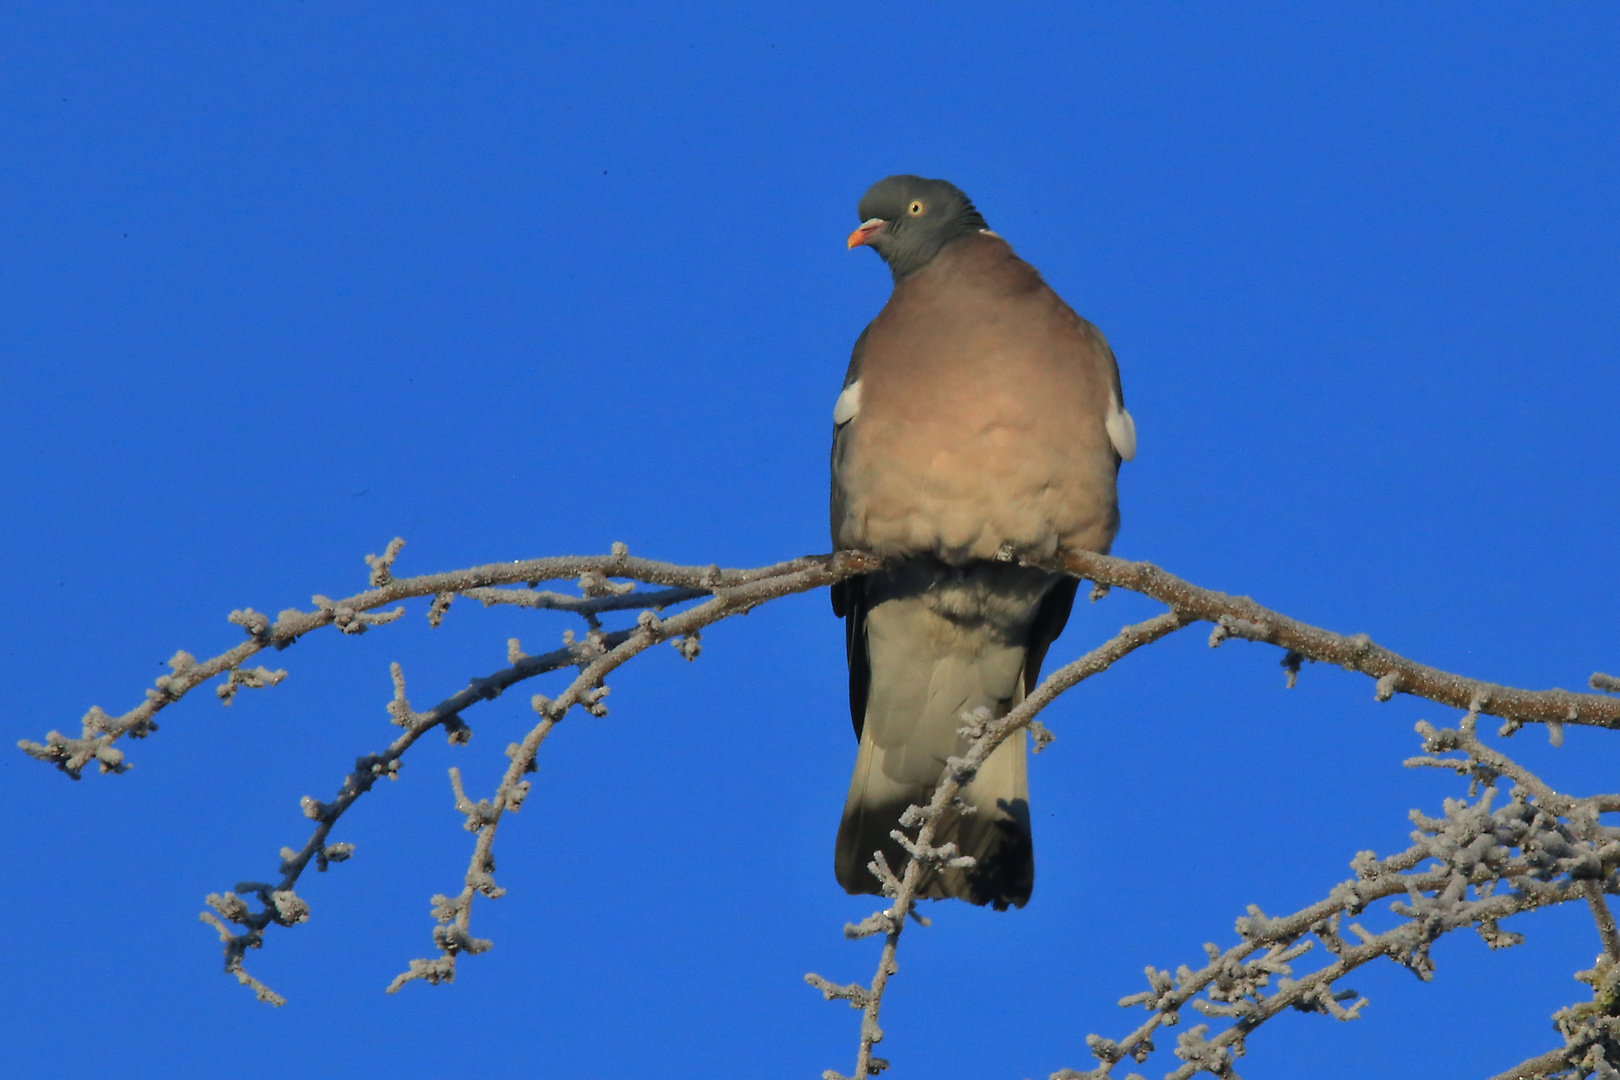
(863, 235)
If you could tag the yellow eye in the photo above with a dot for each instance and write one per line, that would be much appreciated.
(916, 206)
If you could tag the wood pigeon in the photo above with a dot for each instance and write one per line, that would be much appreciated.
(981, 420)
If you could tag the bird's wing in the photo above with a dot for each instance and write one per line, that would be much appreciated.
(848, 598)
(1118, 423)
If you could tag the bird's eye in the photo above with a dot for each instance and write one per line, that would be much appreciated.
(916, 206)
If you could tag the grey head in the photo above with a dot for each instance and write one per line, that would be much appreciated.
(909, 219)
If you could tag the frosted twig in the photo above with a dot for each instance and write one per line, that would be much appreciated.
(454, 914)
(752, 588)
(369, 768)
(924, 856)
(356, 613)
(1547, 848)
(584, 606)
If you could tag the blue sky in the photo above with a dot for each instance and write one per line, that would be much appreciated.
(280, 282)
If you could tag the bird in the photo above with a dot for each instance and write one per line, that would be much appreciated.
(981, 423)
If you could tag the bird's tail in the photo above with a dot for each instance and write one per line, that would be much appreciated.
(940, 641)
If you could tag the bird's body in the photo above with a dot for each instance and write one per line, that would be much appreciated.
(973, 428)
(981, 420)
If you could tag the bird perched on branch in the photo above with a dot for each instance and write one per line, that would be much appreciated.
(981, 421)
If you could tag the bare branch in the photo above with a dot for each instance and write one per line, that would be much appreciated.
(1238, 616)
(356, 613)
(1475, 865)
(585, 606)
(987, 734)
(1564, 854)
(605, 655)
(369, 768)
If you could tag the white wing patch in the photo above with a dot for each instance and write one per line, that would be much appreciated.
(848, 404)
(1121, 429)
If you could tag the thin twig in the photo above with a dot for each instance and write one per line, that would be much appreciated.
(1469, 850)
(455, 913)
(1603, 917)
(924, 856)
(751, 588)
(585, 606)
(367, 770)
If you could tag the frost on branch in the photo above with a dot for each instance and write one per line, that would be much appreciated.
(1510, 846)
(1473, 866)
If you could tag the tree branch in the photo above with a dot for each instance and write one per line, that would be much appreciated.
(1238, 616)
(1544, 847)
(1539, 1067)
(1564, 854)
(732, 591)
(356, 614)
(987, 735)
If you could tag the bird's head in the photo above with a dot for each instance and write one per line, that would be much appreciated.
(908, 219)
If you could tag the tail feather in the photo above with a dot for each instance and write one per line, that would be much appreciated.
(934, 642)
